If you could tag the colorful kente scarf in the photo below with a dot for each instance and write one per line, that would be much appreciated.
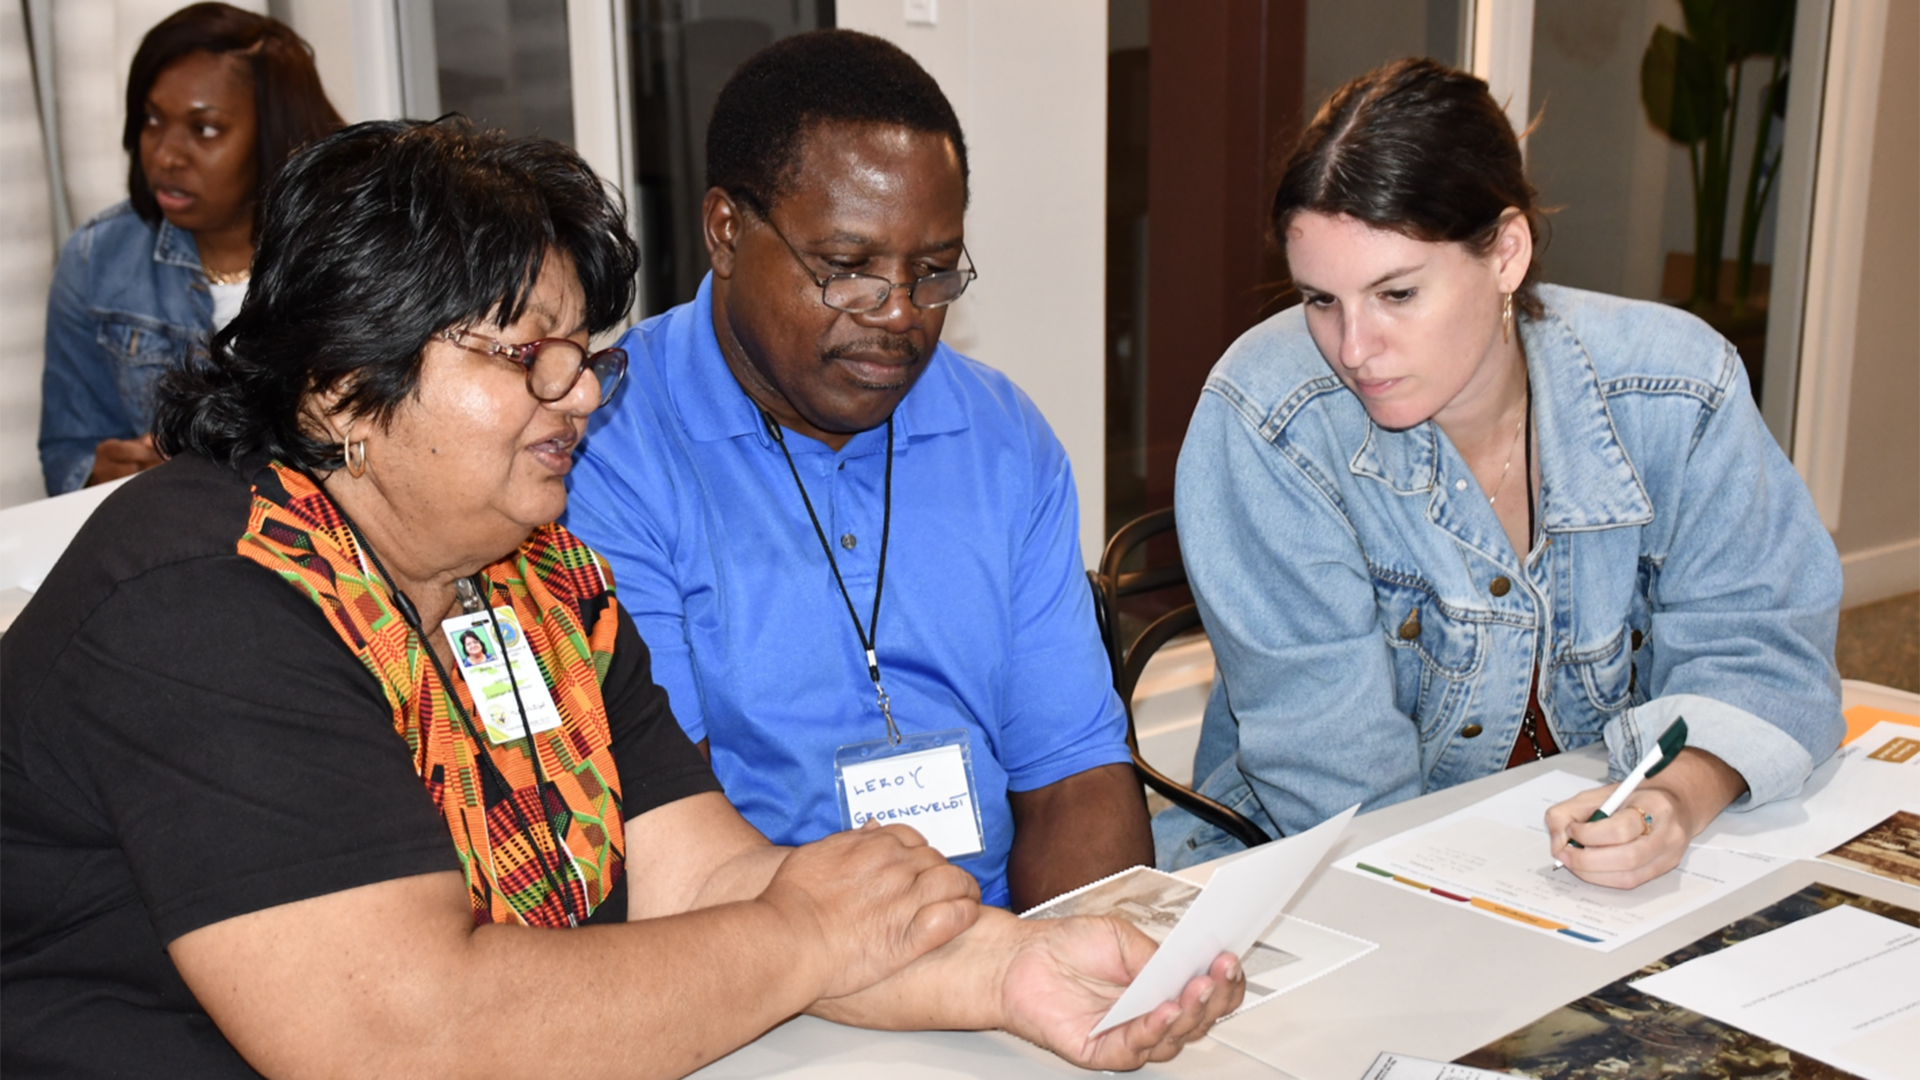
(503, 831)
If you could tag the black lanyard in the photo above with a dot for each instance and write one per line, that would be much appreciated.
(553, 872)
(870, 633)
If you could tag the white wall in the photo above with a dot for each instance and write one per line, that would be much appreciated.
(26, 265)
(1029, 82)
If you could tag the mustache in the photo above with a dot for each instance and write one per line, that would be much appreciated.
(901, 347)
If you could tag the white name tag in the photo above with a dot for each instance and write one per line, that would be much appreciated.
(925, 782)
(484, 660)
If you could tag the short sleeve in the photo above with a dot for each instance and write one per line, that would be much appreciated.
(207, 719)
(1063, 716)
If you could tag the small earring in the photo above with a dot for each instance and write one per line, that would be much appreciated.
(1506, 318)
(356, 459)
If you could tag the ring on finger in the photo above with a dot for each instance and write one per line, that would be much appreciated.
(1646, 821)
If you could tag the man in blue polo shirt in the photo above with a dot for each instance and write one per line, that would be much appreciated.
(852, 551)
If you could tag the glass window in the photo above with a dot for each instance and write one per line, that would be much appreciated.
(1348, 38)
(504, 64)
(683, 52)
(1632, 167)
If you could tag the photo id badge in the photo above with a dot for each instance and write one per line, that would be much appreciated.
(925, 782)
(483, 659)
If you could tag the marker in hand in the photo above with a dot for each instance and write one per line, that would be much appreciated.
(1672, 741)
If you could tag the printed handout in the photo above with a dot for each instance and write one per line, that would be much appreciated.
(1867, 779)
(1842, 986)
(1492, 858)
(1402, 1067)
(1621, 1032)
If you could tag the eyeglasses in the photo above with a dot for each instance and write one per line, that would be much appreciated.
(858, 294)
(553, 364)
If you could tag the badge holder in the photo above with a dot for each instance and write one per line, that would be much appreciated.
(924, 781)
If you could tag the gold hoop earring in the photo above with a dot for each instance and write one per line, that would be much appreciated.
(1506, 318)
(356, 459)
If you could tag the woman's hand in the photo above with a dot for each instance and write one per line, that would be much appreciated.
(1626, 849)
(115, 458)
(1068, 972)
(870, 901)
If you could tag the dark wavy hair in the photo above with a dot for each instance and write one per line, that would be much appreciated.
(823, 76)
(1418, 148)
(289, 105)
(371, 241)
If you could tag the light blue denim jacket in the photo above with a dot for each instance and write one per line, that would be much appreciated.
(129, 299)
(1682, 571)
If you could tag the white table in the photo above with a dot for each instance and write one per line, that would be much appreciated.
(1443, 981)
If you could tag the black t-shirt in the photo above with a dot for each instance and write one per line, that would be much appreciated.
(184, 739)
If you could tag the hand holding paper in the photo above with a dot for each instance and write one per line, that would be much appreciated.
(1243, 899)
(1067, 975)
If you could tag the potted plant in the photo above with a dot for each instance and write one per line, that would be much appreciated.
(1690, 86)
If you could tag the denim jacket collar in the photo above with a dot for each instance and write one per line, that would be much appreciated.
(1588, 481)
(173, 246)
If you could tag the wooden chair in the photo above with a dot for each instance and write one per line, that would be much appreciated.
(1128, 660)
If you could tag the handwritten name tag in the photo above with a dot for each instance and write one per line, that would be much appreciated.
(926, 782)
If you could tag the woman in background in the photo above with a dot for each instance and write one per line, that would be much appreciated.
(1442, 519)
(217, 100)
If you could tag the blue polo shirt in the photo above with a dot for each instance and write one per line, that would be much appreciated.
(986, 622)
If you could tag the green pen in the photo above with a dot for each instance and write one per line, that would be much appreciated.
(1672, 741)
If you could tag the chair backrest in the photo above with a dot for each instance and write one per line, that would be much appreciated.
(1129, 658)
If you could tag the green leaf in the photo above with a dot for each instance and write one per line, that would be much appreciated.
(1677, 84)
(1706, 22)
(1758, 28)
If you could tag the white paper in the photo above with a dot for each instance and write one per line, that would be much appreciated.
(1291, 954)
(1243, 899)
(1492, 858)
(1842, 986)
(34, 535)
(1848, 794)
(1401, 1067)
(12, 603)
(926, 789)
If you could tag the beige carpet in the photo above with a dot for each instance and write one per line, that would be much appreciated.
(1880, 643)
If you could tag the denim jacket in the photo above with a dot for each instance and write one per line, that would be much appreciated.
(128, 300)
(1375, 632)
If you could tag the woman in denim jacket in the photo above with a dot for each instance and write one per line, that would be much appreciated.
(1441, 519)
(217, 100)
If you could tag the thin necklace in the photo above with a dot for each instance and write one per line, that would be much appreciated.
(228, 277)
(1508, 467)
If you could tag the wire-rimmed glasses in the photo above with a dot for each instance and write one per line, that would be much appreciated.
(858, 294)
(553, 365)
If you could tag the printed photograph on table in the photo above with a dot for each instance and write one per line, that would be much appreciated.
(1890, 849)
(1621, 1033)
(1147, 898)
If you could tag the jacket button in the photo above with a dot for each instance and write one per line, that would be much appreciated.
(1499, 586)
(1636, 641)
(1470, 731)
(1411, 628)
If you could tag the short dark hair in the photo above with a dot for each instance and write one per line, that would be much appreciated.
(1417, 148)
(289, 105)
(820, 77)
(371, 241)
